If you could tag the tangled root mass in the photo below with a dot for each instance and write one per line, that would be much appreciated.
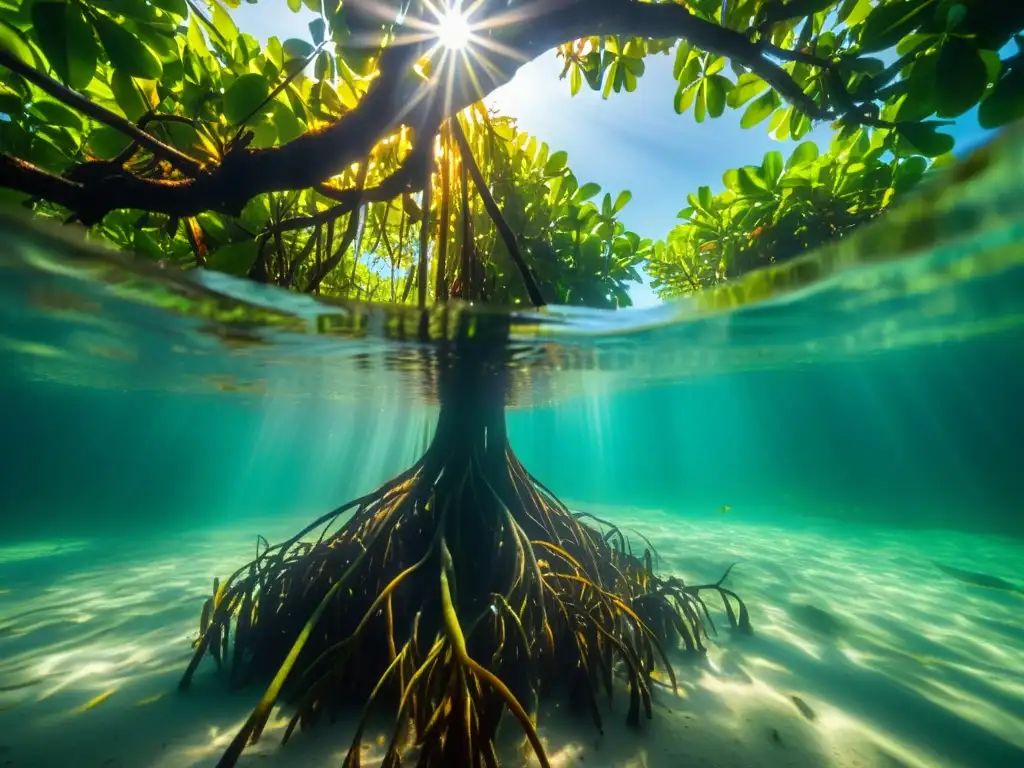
(457, 590)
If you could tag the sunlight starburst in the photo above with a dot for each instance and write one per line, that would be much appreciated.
(453, 30)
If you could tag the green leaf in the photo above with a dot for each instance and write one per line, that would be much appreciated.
(718, 87)
(962, 77)
(908, 173)
(575, 79)
(805, 153)
(705, 198)
(126, 51)
(924, 138)
(223, 23)
(67, 40)
(684, 97)
(54, 113)
(858, 12)
(682, 57)
(622, 200)
(1005, 103)
(760, 109)
(48, 22)
(294, 48)
(107, 143)
(886, 25)
(748, 85)
(234, 259)
(288, 125)
(317, 29)
(178, 7)
(690, 72)
(921, 94)
(129, 96)
(751, 181)
(244, 97)
(11, 41)
(587, 191)
(556, 163)
(700, 105)
(295, 5)
(771, 167)
(954, 15)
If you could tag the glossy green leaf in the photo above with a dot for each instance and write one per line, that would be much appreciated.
(178, 7)
(747, 87)
(760, 109)
(126, 52)
(681, 58)
(925, 139)
(129, 96)
(962, 77)
(908, 173)
(772, 166)
(920, 100)
(622, 200)
(67, 40)
(556, 163)
(586, 192)
(575, 79)
(11, 41)
(294, 48)
(1005, 103)
(700, 103)
(244, 97)
(54, 113)
(223, 23)
(805, 153)
(107, 143)
(718, 88)
(317, 30)
(234, 259)
(888, 23)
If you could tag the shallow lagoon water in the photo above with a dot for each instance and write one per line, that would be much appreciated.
(849, 433)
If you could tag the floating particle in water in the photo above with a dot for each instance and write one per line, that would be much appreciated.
(805, 710)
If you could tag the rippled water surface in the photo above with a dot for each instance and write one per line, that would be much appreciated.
(847, 428)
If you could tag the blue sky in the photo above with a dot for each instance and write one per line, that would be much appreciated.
(633, 141)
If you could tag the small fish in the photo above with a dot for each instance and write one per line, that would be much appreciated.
(95, 702)
(979, 579)
(724, 508)
(805, 710)
(149, 700)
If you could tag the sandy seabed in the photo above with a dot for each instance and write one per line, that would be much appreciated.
(865, 654)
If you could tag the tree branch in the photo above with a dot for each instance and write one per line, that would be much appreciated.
(100, 114)
(322, 270)
(399, 96)
(507, 235)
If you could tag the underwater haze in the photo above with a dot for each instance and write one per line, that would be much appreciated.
(852, 441)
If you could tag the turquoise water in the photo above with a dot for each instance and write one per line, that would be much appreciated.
(840, 438)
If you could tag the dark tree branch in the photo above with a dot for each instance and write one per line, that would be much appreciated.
(423, 266)
(507, 235)
(349, 235)
(441, 280)
(77, 101)
(33, 181)
(399, 96)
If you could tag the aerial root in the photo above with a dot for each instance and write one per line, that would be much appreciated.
(546, 601)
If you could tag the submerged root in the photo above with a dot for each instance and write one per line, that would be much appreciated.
(464, 588)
